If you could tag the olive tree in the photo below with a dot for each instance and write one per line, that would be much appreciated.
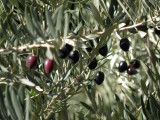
(79, 59)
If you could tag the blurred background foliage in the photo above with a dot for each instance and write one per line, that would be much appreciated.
(32, 26)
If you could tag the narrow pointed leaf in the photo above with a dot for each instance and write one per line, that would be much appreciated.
(49, 23)
(28, 107)
(9, 104)
(96, 14)
(87, 107)
(17, 106)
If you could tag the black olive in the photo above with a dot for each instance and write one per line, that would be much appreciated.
(69, 47)
(122, 66)
(63, 52)
(103, 50)
(124, 44)
(74, 56)
(135, 63)
(93, 64)
(99, 78)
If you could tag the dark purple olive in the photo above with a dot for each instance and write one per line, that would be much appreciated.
(31, 61)
(131, 70)
(48, 65)
(93, 64)
(74, 56)
(62, 53)
(99, 78)
(124, 44)
(103, 50)
(122, 66)
(135, 63)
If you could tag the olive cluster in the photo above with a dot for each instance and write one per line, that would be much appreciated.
(134, 64)
(67, 50)
(73, 55)
(31, 62)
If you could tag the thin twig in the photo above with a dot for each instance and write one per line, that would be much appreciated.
(43, 44)
(21, 48)
(136, 25)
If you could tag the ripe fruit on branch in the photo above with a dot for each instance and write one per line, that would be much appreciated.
(74, 56)
(69, 47)
(103, 50)
(135, 63)
(93, 64)
(62, 53)
(48, 65)
(124, 44)
(31, 61)
(131, 70)
(99, 78)
(122, 66)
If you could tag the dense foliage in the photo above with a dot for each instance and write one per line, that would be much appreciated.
(79, 59)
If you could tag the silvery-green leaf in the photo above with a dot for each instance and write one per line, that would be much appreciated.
(82, 45)
(2, 106)
(142, 34)
(21, 94)
(26, 82)
(50, 23)
(9, 105)
(69, 41)
(16, 104)
(96, 14)
(4, 69)
(39, 89)
(66, 25)
(28, 108)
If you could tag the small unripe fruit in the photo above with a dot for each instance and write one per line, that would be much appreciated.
(74, 56)
(93, 64)
(131, 70)
(103, 50)
(135, 63)
(99, 78)
(122, 66)
(48, 65)
(31, 61)
(62, 53)
(124, 44)
(69, 47)
(79, 79)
